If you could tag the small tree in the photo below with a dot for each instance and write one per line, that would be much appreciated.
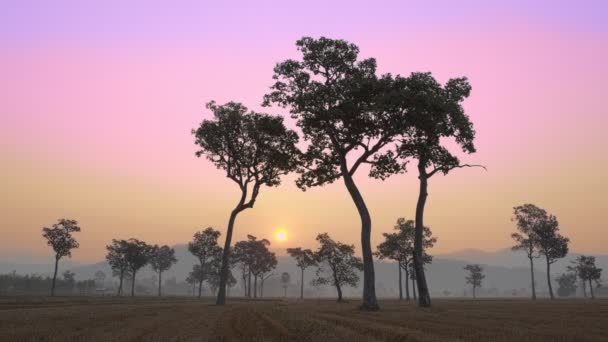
(475, 276)
(285, 281)
(137, 255)
(161, 259)
(204, 247)
(254, 149)
(264, 262)
(567, 284)
(116, 258)
(68, 277)
(528, 217)
(337, 264)
(304, 258)
(60, 238)
(551, 244)
(585, 268)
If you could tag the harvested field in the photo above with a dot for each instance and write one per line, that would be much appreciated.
(186, 319)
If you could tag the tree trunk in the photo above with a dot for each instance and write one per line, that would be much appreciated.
(400, 281)
(249, 284)
(339, 289)
(549, 279)
(255, 286)
(133, 284)
(532, 277)
(584, 289)
(262, 280)
(302, 286)
(591, 289)
(54, 277)
(414, 289)
(159, 281)
(193, 288)
(370, 303)
(122, 275)
(407, 283)
(424, 298)
(200, 288)
(474, 292)
(221, 294)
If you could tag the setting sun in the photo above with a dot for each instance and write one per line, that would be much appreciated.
(281, 235)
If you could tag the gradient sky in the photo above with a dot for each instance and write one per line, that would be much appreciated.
(97, 100)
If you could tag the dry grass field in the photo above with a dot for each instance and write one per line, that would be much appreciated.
(186, 319)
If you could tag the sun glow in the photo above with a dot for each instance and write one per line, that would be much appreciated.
(280, 235)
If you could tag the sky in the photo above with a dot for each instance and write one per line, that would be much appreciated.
(98, 99)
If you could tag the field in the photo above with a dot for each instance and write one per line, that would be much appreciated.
(187, 319)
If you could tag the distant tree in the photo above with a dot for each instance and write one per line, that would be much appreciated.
(528, 218)
(198, 275)
(285, 277)
(204, 247)
(433, 114)
(68, 277)
(341, 106)
(191, 279)
(304, 258)
(399, 246)
(567, 284)
(254, 149)
(264, 262)
(337, 264)
(100, 279)
(137, 255)
(587, 271)
(161, 259)
(551, 244)
(475, 276)
(60, 238)
(117, 260)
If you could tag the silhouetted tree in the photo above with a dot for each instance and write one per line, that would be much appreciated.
(475, 276)
(433, 113)
(137, 255)
(264, 262)
(285, 281)
(587, 271)
(341, 106)
(116, 258)
(551, 244)
(197, 275)
(161, 259)
(204, 247)
(567, 284)
(528, 218)
(337, 264)
(304, 258)
(399, 246)
(60, 238)
(68, 277)
(254, 149)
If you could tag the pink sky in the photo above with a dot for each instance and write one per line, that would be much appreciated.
(97, 103)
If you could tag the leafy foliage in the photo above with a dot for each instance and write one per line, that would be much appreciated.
(162, 258)
(567, 284)
(60, 238)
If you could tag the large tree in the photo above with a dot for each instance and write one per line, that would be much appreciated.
(551, 244)
(304, 258)
(254, 150)
(342, 108)
(475, 276)
(204, 247)
(116, 258)
(137, 255)
(161, 259)
(528, 218)
(337, 264)
(433, 116)
(60, 238)
(399, 246)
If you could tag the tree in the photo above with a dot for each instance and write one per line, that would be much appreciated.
(341, 106)
(116, 258)
(475, 276)
(304, 258)
(432, 114)
(161, 259)
(68, 277)
(528, 217)
(254, 150)
(137, 255)
(337, 264)
(550, 243)
(197, 275)
(585, 268)
(204, 247)
(263, 263)
(399, 246)
(60, 238)
(567, 284)
(285, 277)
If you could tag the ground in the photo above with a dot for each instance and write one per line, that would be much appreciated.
(187, 319)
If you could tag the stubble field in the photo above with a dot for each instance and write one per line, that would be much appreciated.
(187, 319)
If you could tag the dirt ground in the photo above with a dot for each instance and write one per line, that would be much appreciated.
(187, 319)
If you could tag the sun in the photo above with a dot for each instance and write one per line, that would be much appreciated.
(280, 234)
